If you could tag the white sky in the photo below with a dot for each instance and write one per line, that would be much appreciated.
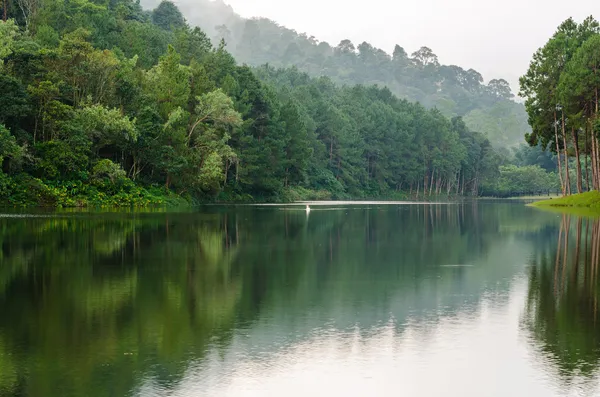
(495, 38)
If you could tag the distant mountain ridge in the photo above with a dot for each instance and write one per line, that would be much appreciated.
(487, 108)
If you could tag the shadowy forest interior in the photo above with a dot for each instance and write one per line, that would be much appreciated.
(106, 103)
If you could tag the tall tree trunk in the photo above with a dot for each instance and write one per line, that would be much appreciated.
(593, 133)
(562, 183)
(595, 162)
(587, 175)
(227, 165)
(594, 165)
(596, 174)
(576, 143)
(567, 177)
(4, 10)
(458, 182)
(431, 182)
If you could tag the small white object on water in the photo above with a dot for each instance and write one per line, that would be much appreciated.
(307, 208)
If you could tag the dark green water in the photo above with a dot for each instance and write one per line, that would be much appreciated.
(479, 299)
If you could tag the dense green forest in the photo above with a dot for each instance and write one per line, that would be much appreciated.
(419, 76)
(104, 103)
(561, 91)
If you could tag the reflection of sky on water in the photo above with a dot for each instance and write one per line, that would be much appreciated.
(432, 357)
(455, 332)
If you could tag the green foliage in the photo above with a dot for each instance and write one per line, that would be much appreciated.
(418, 77)
(9, 149)
(106, 169)
(168, 83)
(514, 179)
(105, 104)
(167, 16)
(14, 101)
(561, 90)
(8, 33)
(104, 127)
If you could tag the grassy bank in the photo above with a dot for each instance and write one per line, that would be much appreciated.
(26, 191)
(589, 200)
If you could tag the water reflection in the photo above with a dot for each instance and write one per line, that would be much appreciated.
(562, 303)
(236, 301)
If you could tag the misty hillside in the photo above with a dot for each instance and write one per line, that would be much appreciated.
(487, 108)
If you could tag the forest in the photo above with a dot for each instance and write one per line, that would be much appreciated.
(561, 91)
(486, 107)
(105, 103)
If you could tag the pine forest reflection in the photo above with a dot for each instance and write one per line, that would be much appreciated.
(119, 304)
(562, 302)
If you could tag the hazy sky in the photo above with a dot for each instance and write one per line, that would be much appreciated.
(496, 38)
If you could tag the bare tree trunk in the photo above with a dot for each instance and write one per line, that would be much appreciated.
(4, 10)
(593, 161)
(576, 144)
(595, 173)
(587, 175)
(567, 177)
(227, 165)
(562, 183)
(431, 182)
(458, 183)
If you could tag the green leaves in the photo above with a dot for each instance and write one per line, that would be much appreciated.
(167, 16)
(106, 126)
(8, 33)
(168, 83)
(14, 101)
(8, 146)
(103, 92)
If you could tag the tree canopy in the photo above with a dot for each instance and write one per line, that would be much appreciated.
(106, 103)
(421, 77)
(561, 92)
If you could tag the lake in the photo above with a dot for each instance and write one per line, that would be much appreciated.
(460, 299)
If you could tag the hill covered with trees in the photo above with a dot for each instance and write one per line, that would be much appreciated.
(105, 103)
(485, 107)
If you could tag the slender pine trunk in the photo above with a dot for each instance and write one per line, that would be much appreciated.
(567, 177)
(562, 183)
(576, 144)
(587, 175)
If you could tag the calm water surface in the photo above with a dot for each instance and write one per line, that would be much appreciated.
(484, 299)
